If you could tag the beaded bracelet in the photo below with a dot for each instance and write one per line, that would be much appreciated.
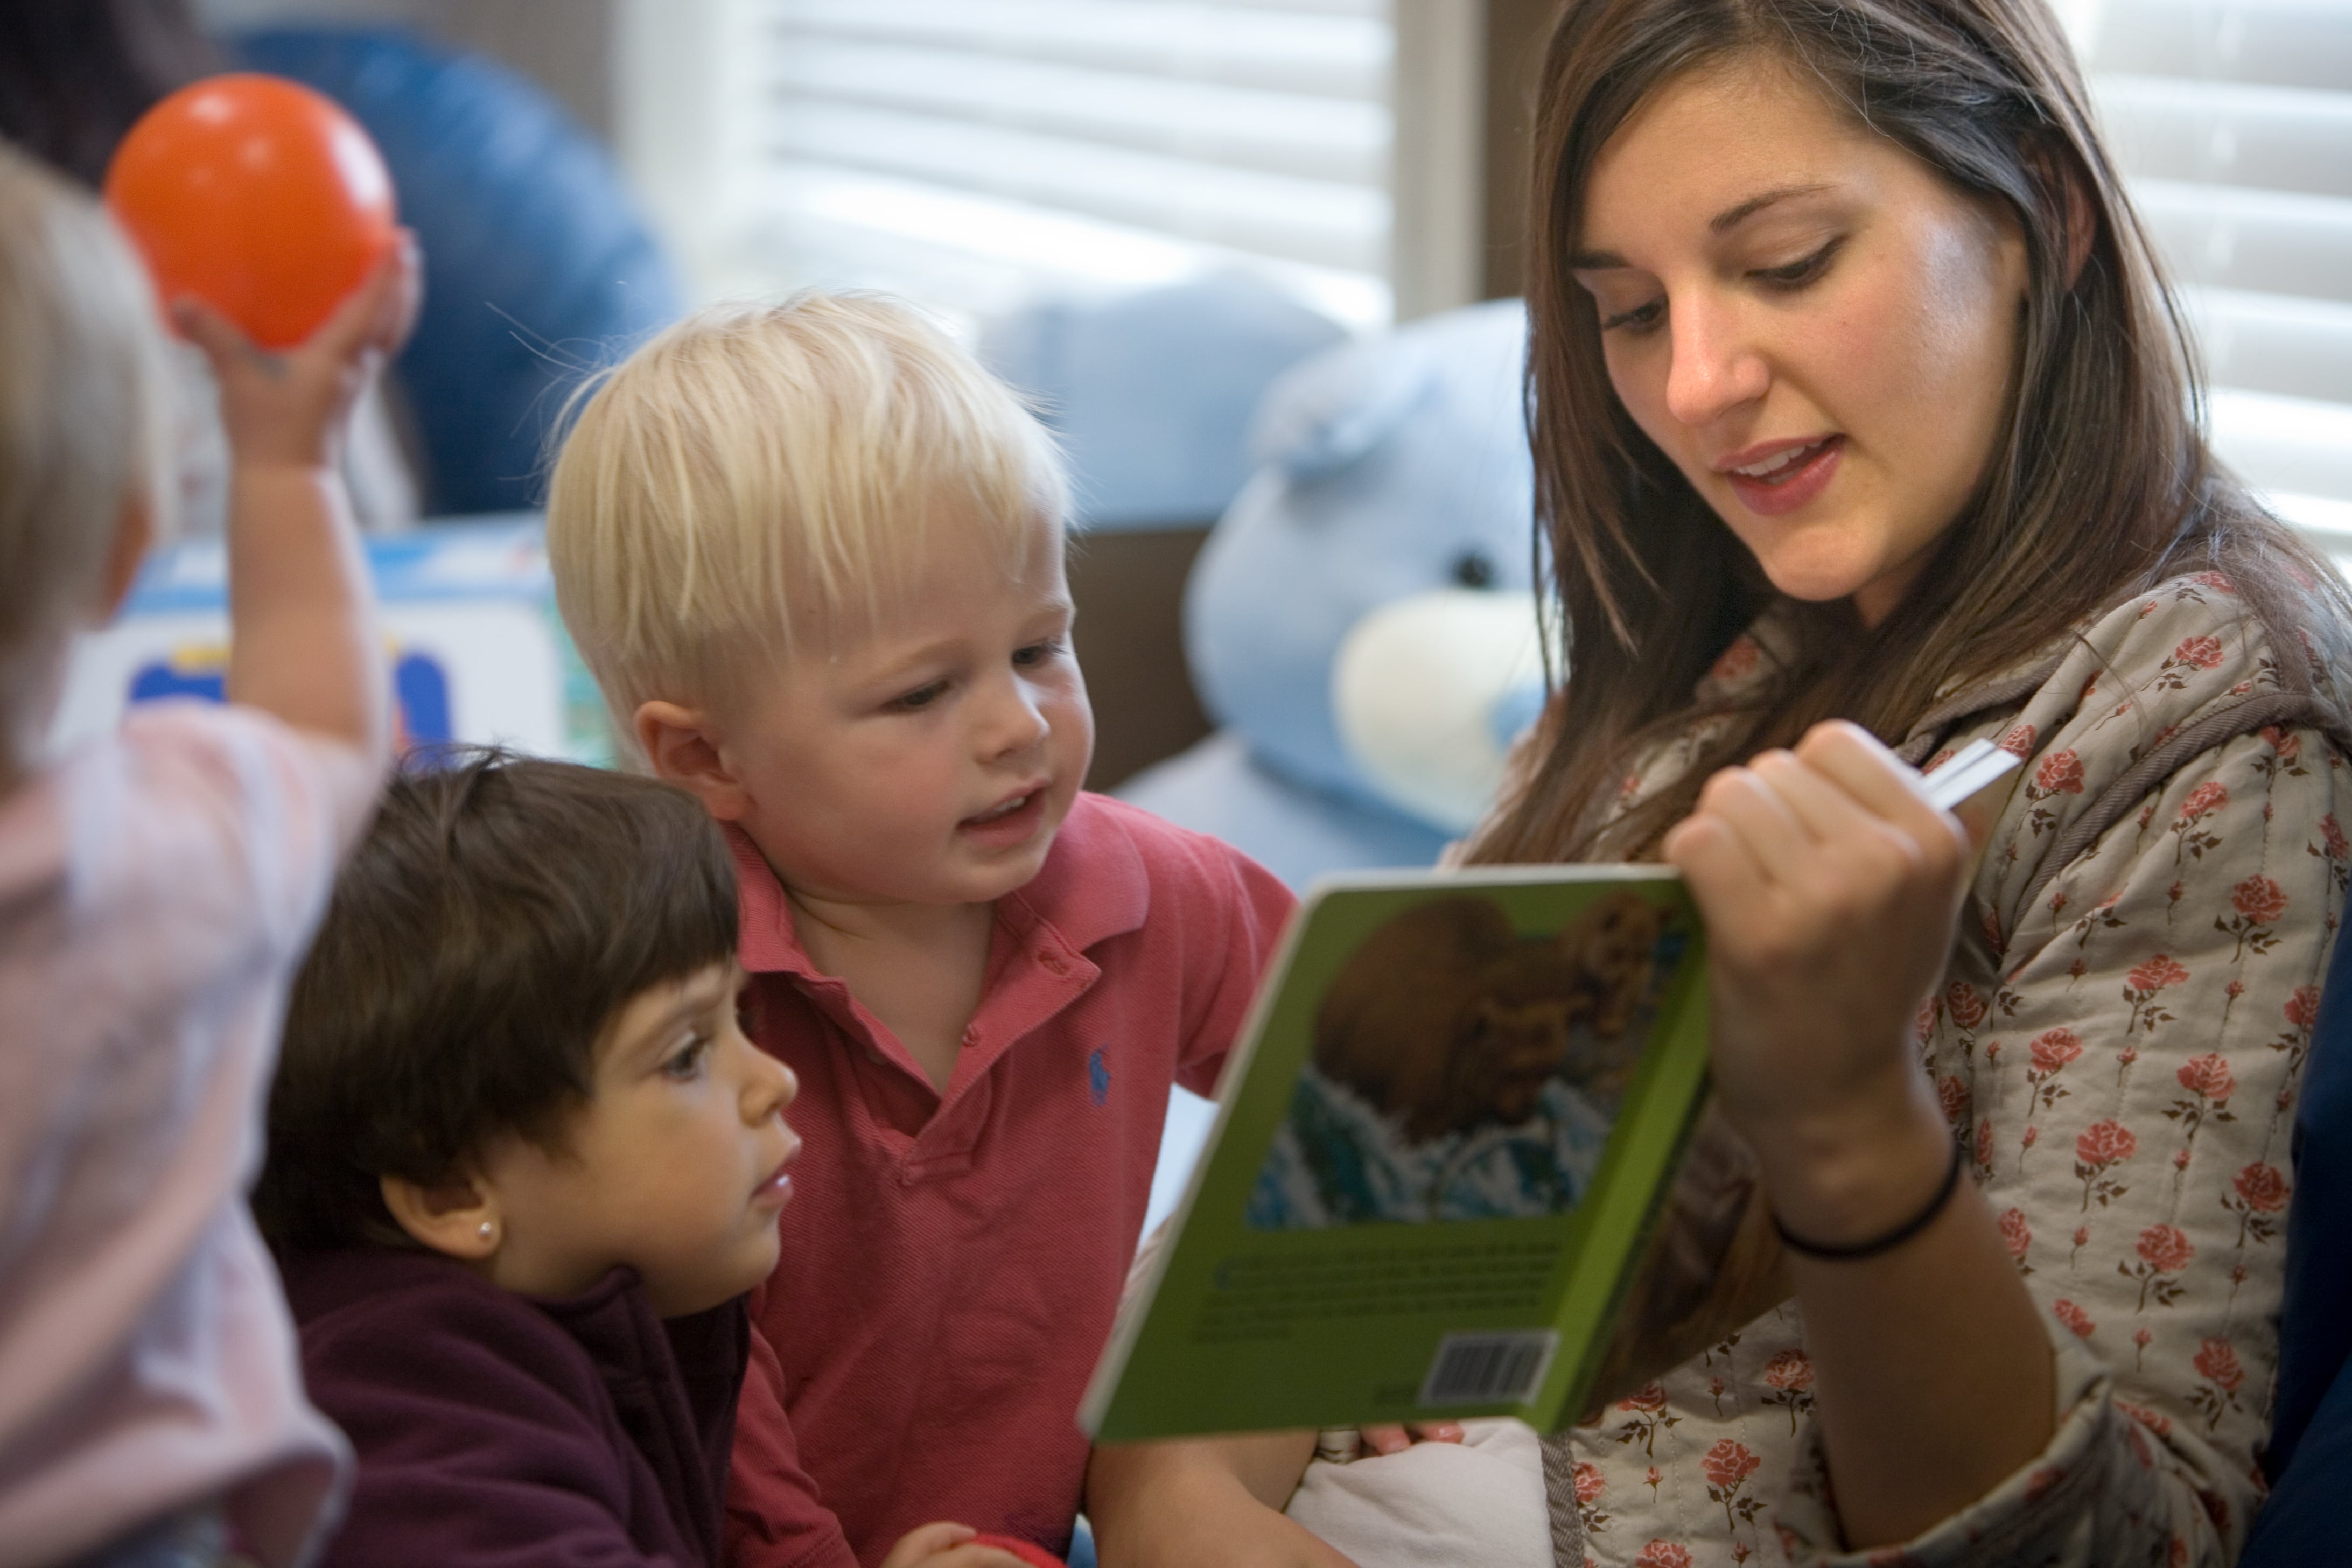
(1891, 1239)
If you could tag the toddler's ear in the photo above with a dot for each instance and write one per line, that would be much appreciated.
(684, 746)
(134, 533)
(458, 1219)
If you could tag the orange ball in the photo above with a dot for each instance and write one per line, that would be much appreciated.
(257, 195)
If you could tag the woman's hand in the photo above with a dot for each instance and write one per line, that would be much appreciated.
(1830, 890)
(1395, 1437)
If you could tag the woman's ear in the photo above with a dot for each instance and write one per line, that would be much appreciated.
(2081, 228)
(2057, 168)
(685, 746)
(457, 1218)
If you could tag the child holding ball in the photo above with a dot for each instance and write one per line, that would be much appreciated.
(157, 887)
(813, 554)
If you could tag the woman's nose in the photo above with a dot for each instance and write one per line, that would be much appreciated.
(1715, 368)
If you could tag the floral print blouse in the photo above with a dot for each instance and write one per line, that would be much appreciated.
(2117, 1042)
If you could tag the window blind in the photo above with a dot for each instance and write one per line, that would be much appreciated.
(964, 152)
(2232, 123)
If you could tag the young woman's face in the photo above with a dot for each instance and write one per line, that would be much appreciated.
(1815, 327)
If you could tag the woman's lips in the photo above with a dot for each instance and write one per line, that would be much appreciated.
(1792, 484)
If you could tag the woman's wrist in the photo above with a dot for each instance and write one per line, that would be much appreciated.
(1850, 1175)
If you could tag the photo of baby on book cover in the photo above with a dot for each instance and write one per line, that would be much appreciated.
(1464, 1071)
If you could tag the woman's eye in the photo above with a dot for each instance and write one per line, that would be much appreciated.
(1037, 652)
(1640, 318)
(1799, 273)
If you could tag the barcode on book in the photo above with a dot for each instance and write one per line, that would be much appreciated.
(1482, 1369)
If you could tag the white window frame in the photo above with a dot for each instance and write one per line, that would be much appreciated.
(685, 68)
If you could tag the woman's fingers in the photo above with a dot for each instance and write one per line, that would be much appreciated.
(1722, 871)
(1812, 797)
(1392, 1438)
(1878, 781)
(1783, 844)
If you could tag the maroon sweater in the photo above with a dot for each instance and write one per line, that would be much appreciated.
(514, 1430)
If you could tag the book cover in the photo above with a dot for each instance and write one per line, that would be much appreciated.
(1448, 1123)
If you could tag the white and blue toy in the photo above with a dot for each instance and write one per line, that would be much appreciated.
(468, 611)
(1362, 623)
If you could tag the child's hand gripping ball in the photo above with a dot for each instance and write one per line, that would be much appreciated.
(946, 1545)
(257, 195)
(1028, 1551)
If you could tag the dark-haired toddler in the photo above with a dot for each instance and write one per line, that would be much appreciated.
(523, 1164)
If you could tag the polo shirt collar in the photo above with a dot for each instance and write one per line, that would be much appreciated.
(1092, 886)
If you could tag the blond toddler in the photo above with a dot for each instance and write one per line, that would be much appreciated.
(815, 556)
(156, 889)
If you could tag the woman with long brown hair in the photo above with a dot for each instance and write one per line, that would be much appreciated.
(1864, 427)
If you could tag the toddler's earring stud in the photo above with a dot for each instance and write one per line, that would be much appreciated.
(487, 1230)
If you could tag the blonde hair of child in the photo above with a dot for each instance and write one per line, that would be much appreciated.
(84, 423)
(758, 474)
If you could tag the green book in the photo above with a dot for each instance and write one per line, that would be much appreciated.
(1448, 1130)
(1439, 1149)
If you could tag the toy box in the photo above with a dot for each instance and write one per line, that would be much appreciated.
(477, 651)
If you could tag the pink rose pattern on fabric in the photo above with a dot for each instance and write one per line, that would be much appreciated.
(1740, 659)
(2018, 1237)
(1789, 1383)
(2119, 1039)
(1590, 1482)
(1727, 1466)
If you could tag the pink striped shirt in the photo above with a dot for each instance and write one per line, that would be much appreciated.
(157, 889)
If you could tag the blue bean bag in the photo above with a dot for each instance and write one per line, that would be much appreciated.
(537, 267)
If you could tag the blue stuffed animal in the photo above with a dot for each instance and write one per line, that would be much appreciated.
(1362, 623)
(1150, 391)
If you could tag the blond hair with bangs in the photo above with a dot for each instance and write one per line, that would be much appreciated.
(85, 426)
(759, 473)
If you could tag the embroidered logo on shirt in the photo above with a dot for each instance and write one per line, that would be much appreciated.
(1098, 1078)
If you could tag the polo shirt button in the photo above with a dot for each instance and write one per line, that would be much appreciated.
(972, 1036)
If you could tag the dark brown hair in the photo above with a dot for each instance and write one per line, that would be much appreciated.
(75, 74)
(2099, 482)
(500, 912)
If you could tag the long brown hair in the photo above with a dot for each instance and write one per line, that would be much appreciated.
(2099, 482)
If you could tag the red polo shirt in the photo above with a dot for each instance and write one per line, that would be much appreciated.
(951, 1262)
